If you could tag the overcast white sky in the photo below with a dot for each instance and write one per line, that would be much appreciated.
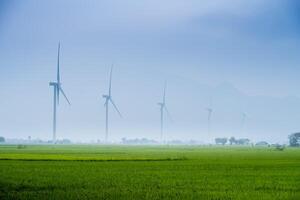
(233, 50)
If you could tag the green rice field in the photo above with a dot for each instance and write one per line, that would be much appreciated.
(148, 172)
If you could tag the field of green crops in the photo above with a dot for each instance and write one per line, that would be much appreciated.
(141, 172)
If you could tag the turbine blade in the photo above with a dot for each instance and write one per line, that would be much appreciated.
(209, 115)
(164, 97)
(112, 102)
(62, 91)
(244, 117)
(209, 110)
(111, 69)
(105, 102)
(168, 113)
(210, 102)
(58, 70)
(57, 94)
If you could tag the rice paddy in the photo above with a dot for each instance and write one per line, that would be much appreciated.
(148, 172)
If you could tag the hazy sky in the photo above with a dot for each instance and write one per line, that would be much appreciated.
(239, 49)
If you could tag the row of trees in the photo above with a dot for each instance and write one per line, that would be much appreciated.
(144, 141)
(294, 139)
(232, 141)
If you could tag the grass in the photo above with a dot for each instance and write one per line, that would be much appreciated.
(140, 172)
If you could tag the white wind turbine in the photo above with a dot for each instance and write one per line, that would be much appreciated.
(244, 117)
(108, 99)
(209, 115)
(163, 108)
(57, 90)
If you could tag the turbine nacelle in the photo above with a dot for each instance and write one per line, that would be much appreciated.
(161, 104)
(244, 115)
(53, 84)
(106, 96)
(209, 110)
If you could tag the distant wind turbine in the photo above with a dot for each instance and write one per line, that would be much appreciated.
(57, 90)
(244, 117)
(209, 114)
(108, 99)
(163, 108)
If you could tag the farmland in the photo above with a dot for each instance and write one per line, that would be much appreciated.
(148, 172)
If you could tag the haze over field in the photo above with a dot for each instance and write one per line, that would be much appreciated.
(242, 54)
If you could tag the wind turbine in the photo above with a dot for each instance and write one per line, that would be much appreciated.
(244, 117)
(209, 114)
(163, 108)
(108, 99)
(57, 90)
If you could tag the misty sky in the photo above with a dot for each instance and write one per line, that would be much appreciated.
(244, 54)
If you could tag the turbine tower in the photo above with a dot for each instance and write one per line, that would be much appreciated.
(209, 114)
(108, 99)
(163, 108)
(57, 90)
